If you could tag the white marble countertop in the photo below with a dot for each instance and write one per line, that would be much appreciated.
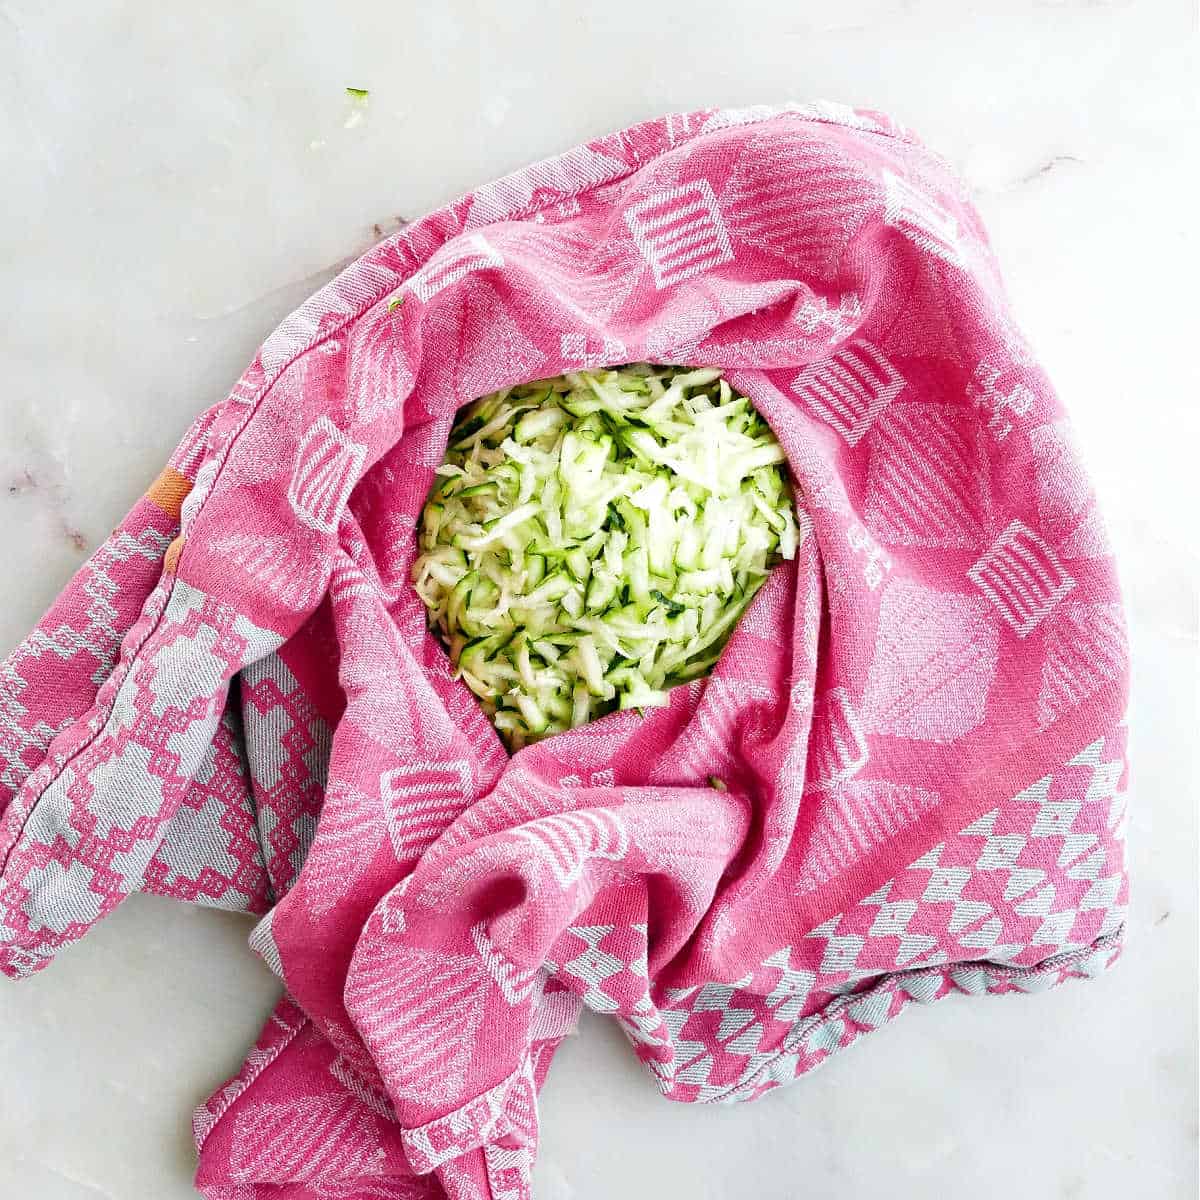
(175, 179)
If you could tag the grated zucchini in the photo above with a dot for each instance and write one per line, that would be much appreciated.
(591, 540)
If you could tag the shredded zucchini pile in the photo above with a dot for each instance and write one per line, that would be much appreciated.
(593, 539)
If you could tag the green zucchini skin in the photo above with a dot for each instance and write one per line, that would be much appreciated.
(592, 540)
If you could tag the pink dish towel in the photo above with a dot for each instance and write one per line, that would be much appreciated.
(918, 723)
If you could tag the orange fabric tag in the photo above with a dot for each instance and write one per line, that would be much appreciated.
(168, 491)
(171, 558)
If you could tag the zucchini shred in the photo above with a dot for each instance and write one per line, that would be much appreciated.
(591, 540)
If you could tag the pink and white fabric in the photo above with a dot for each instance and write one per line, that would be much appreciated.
(919, 721)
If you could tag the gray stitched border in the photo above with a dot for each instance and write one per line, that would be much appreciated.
(895, 982)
